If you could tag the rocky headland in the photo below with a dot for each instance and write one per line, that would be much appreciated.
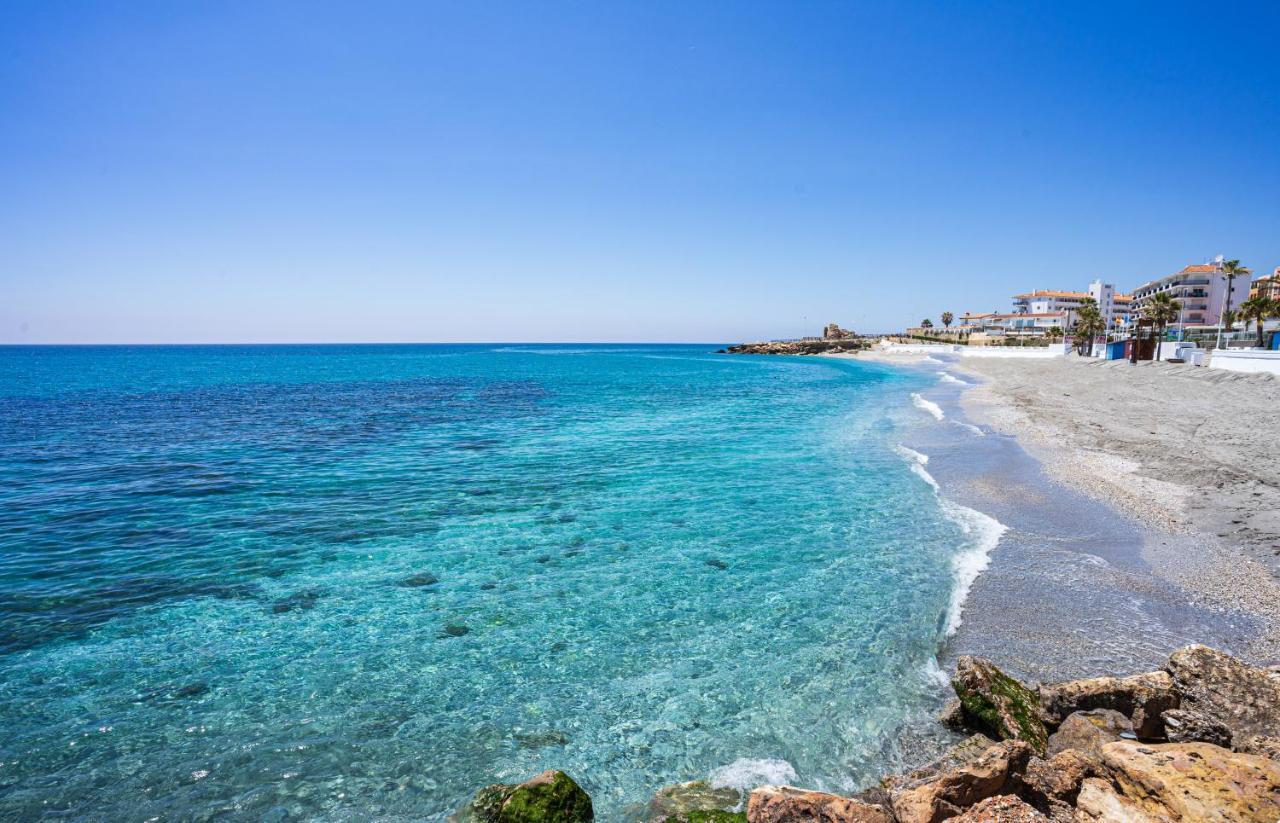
(834, 340)
(1198, 740)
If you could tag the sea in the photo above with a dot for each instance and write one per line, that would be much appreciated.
(361, 582)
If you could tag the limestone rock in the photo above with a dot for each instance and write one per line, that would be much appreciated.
(958, 756)
(1087, 731)
(551, 797)
(1261, 745)
(1190, 725)
(998, 770)
(997, 704)
(1056, 781)
(1004, 808)
(1099, 802)
(696, 800)
(1140, 697)
(784, 804)
(1244, 698)
(952, 714)
(1194, 781)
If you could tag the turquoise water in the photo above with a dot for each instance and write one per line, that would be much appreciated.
(650, 564)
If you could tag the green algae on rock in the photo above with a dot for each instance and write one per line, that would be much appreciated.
(998, 704)
(551, 797)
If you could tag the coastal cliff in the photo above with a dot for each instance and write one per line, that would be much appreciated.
(1196, 740)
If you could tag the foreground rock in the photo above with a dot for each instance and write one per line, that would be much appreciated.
(1221, 690)
(551, 797)
(1089, 731)
(1003, 809)
(784, 804)
(1142, 698)
(1191, 781)
(995, 703)
(996, 771)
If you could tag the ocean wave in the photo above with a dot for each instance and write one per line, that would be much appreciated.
(982, 531)
(948, 377)
(970, 427)
(927, 406)
(917, 462)
(746, 773)
(929, 358)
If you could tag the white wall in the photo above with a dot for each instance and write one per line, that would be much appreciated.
(1245, 360)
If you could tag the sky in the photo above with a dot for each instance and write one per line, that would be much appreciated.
(592, 171)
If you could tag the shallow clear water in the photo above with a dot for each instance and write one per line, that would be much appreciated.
(651, 562)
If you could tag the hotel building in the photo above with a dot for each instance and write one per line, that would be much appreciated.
(1201, 292)
(1268, 287)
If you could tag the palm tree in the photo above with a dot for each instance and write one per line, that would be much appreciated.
(1089, 324)
(1231, 268)
(1162, 310)
(947, 317)
(1258, 309)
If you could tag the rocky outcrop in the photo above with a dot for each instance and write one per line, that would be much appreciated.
(1088, 731)
(997, 704)
(784, 804)
(807, 346)
(1220, 689)
(1143, 698)
(996, 771)
(551, 797)
(696, 802)
(1190, 726)
(832, 331)
(1194, 781)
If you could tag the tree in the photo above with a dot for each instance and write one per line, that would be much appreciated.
(1259, 309)
(1162, 310)
(947, 317)
(1231, 269)
(926, 323)
(1089, 324)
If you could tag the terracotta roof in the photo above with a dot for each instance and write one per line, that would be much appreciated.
(1207, 268)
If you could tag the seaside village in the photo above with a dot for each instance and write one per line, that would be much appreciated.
(1208, 314)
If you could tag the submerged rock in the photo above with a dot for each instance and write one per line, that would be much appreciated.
(694, 802)
(304, 600)
(717, 563)
(1219, 688)
(1089, 731)
(1143, 698)
(1192, 781)
(551, 797)
(784, 804)
(415, 581)
(455, 630)
(997, 704)
(538, 740)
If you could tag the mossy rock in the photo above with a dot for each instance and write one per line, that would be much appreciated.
(997, 704)
(696, 802)
(551, 797)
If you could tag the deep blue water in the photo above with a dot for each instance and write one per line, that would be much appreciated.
(652, 563)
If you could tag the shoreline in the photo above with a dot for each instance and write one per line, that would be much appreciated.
(1100, 449)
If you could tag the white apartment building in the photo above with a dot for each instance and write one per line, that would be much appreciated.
(1113, 306)
(1201, 292)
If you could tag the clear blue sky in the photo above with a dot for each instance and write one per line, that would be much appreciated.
(421, 171)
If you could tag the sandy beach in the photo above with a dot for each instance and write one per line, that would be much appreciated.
(1187, 453)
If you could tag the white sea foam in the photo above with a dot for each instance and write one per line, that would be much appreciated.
(984, 533)
(934, 675)
(746, 773)
(917, 462)
(948, 377)
(929, 358)
(927, 406)
(971, 428)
